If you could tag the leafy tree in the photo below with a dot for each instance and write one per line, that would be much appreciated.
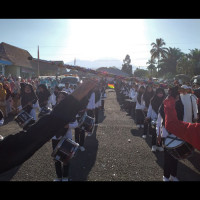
(140, 73)
(184, 65)
(169, 63)
(194, 57)
(127, 67)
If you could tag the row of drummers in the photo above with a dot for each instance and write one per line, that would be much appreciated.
(145, 104)
(64, 147)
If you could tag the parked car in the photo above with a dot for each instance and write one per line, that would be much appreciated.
(72, 80)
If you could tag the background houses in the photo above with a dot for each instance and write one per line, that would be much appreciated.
(20, 63)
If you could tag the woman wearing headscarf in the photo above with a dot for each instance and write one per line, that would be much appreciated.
(3, 100)
(170, 163)
(147, 96)
(28, 97)
(43, 95)
(152, 114)
(16, 96)
(139, 107)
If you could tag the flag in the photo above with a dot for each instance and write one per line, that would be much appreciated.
(111, 86)
(74, 61)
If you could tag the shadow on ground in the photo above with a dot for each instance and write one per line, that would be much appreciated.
(82, 164)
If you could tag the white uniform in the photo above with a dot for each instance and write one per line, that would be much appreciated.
(68, 134)
(189, 101)
(52, 100)
(91, 103)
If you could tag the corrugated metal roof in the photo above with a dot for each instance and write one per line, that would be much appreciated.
(17, 56)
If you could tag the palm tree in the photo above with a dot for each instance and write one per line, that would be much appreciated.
(151, 65)
(169, 63)
(158, 50)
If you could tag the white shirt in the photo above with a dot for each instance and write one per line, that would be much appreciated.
(160, 129)
(91, 103)
(188, 104)
(138, 105)
(52, 100)
(69, 131)
(132, 93)
(151, 113)
(68, 90)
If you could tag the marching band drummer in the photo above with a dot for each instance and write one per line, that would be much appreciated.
(52, 99)
(170, 163)
(62, 170)
(103, 95)
(97, 104)
(28, 97)
(152, 114)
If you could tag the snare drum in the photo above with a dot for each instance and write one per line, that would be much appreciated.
(23, 118)
(86, 123)
(178, 148)
(65, 150)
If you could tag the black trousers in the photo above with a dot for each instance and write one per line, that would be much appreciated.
(102, 104)
(170, 164)
(139, 116)
(79, 136)
(96, 115)
(62, 170)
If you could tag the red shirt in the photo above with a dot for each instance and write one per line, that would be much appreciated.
(189, 132)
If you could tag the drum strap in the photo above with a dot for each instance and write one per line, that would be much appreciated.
(173, 138)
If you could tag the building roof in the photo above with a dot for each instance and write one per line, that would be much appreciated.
(43, 65)
(17, 56)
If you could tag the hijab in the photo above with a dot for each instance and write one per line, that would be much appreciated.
(147, 96)
(27, 97)
(157, 101)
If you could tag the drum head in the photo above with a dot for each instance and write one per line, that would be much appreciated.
(172, 141)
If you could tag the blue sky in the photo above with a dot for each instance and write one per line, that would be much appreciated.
(93, 39)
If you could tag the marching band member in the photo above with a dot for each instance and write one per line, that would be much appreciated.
(19, 147)
(43, 95)
(186, 131)
(152, 114)
(103, 95)
(52, 99)
(66, 88)
(170, 163)
(190, 104)
(28, 97)
(3, 100)
(147, 96)
(1, 118)
(139, 107)
(97, 104)
(62, 171)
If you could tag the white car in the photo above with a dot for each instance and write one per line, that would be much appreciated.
(72, 80)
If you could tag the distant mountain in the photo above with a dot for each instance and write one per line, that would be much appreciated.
(113, 70)
(98, 63)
